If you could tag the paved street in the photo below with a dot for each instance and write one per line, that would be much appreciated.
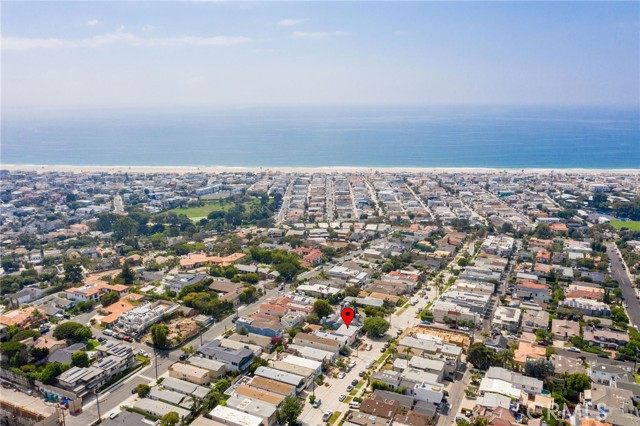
(330, 394)
(621, 275)
(114, 398)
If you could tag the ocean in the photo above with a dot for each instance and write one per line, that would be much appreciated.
(410, 136)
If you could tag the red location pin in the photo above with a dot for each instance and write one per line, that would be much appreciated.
(347, 315)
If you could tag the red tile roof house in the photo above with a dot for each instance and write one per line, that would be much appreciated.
(543, 256)
(313, 257)
(273, 309)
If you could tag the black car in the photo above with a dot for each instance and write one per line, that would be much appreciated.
(603, 356)
(183, 357)
(354, 382)
(101, 339)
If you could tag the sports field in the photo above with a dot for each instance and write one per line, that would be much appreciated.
(632, 225)
(203, 211)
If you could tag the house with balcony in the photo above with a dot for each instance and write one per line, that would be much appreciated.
(235, 359)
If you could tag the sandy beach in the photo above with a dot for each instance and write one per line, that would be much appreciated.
(227, 169)
(346, 169)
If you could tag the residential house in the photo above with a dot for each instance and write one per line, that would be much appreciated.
(258, 408)
(605, 338)
(315, 342)
(234, 359)
(563, 329)
(26, 295)
(506, 318)
(588, 306)
(232, 417)
(535, 320)
(529, 290)
(190, 373)
(262, 324)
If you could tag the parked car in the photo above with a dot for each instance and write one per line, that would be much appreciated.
(341, 375)
(127, 338)
(144, 354)
(603, 356)
(382, 349)
(361, 374)
(464, 328)
(342, 397)
(352, 364)
(369, 346)
(327, 415)
(573, 349)
(113, 415)
(354, 405)
(369, 365)
(349, 388)
(354, 382)
(183, 357)
(101, 339)
(316, 403)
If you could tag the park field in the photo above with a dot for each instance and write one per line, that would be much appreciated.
(197, 213)
(632, 225)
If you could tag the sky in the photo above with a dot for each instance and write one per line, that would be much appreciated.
(216, 53)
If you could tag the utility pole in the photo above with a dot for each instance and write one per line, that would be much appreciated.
(95, 390)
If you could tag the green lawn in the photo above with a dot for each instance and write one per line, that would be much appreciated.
(92, 344)
(203, 211)
(334, 417)
(632, 225)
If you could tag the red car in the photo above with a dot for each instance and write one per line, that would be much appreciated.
(127, 338)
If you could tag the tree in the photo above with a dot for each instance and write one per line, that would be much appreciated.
(257, 362)
(109, 298)
(375, 326)
(322, 308)
(73, 272)
(13, 349)
(50, 372)
(143, 390)
(124, 228)
(352, 291)
(287, 270)
(189, 350)
(159, 333)
(481, 356)
(170, 419)
(72, 331)
(574, 385)
(127, 276)
(290, 410)
(39, 353)
(222, 385)
(539, 368)
(79, 359)
(25, 334)
(82, 334)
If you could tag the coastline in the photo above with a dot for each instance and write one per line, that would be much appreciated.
(43, 168)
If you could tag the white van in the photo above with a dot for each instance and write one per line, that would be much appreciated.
(108, 332)
(354, 405)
